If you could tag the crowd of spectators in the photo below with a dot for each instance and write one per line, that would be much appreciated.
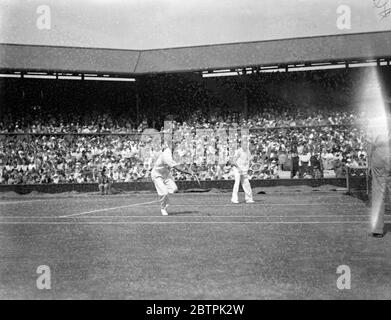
(46, 145)
(70, 158)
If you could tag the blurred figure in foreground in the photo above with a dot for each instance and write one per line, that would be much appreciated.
(379, 168)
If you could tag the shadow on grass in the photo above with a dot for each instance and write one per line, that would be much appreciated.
(361, 195)
(182, 213)
(387, 228)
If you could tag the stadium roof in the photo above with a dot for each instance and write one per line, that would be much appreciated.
(342, 47)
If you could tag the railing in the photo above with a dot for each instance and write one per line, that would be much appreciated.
(182, 185)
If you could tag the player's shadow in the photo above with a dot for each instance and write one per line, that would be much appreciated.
(183, 213)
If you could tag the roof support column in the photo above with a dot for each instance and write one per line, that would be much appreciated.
(245, 100)
(137, 104)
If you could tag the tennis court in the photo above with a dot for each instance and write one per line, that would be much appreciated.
(287, 245)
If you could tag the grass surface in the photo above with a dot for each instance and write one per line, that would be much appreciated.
(287, 245)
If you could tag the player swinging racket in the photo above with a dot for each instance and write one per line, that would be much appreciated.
(161, 177)
(241, 163)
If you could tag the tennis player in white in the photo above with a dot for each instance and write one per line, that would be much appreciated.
(161, 177)
(241, 163)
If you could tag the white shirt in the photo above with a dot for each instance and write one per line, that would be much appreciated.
(242, 160)
(163, 164)
(305, 157)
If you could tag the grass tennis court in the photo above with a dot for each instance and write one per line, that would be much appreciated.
(287, 245)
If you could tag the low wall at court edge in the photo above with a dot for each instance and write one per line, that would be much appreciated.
(357, 183)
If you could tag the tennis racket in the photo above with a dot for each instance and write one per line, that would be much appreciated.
(198, 180)
(195, 177)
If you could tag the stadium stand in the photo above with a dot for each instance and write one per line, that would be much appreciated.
(67, 131)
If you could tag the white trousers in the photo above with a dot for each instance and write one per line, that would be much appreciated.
(164, 186)
(241, 178)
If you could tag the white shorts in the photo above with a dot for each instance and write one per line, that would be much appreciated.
(164, 186)
(239, 173)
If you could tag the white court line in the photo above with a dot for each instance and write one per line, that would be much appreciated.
(59, 199)
(25, 201)
(97, 197)
(107, 209)
(178, 222)
(178, 195)
(192, 216)
(204, 205)
(86, 198)
(260, 204)
(52, 199)
(209, 217)
(200, 205)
